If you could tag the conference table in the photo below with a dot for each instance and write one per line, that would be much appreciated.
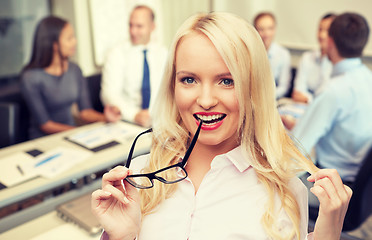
(30, 205)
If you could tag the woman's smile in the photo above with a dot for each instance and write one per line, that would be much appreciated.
(211, 120)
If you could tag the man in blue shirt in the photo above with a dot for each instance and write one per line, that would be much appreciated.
(338, 122)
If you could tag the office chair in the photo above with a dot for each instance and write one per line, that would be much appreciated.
(94, 85)
(360, 207)
(9, 123)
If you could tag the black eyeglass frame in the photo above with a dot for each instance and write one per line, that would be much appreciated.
(151, 176)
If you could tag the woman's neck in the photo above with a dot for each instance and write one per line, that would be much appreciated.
(57, 67)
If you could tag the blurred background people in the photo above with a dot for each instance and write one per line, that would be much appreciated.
(314, 69)
(51, 84)
(132, 71)
(338, 122)
(279, 57)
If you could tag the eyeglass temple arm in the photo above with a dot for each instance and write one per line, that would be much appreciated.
(129, 159)
(192, 144)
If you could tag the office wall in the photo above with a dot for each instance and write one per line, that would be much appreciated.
(18, 20)
(176, 12)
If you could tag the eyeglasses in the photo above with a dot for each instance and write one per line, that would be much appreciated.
(171, 174)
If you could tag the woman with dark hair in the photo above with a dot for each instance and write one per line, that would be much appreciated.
(51, 83)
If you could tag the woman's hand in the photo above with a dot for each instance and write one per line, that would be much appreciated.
(117, 205)
(334, 199)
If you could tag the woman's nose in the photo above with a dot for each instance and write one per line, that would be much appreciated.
(207, 98)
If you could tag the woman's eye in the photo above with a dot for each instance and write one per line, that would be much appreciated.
(227, 82)
(188, 80)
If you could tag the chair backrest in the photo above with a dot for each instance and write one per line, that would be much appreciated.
(360, 207)
(94, 85)
(9, 123)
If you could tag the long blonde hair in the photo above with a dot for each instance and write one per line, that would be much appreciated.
(262, 136)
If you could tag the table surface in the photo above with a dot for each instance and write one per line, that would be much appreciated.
(98, 161)
(46, 227)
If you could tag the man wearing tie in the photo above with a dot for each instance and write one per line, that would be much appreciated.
(132, 71)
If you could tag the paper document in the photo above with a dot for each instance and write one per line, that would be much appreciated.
(104, 134)
(19, 167)
(56, 161)
(11, 170)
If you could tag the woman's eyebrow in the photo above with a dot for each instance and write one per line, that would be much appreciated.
(228, 74)
(185, 73)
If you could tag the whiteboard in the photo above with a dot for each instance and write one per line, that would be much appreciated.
(297, 19)
(109, 24)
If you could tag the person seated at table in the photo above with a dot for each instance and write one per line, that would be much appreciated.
(221, 165)
(314, 69)
(51, 83)
(279, 57)
(133, 70)
(338, 122)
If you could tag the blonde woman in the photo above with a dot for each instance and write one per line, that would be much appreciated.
(238, 181)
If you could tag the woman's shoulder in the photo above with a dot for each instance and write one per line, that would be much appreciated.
(33, 76)
(74, 66)
(74, 72)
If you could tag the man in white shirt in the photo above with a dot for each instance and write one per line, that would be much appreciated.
(315, 68)
(279, 57)
(125, 68)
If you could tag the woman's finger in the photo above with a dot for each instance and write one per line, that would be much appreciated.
(98, 196)
(117, 194)
(335, 178)
(115, 176)
(328, 187)
(348, 191)
(321, 194)
(330, 173)
(132, 192)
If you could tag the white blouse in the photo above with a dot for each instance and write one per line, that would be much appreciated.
(229, 204)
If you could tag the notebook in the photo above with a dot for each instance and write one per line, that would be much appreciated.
(79, 212)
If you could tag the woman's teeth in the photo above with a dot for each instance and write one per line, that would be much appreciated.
(211, 119)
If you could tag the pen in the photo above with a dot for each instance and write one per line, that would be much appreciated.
(20, 169)
(47, 159)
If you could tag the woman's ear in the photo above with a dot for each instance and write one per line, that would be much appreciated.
(332, 51)
(55, 47)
